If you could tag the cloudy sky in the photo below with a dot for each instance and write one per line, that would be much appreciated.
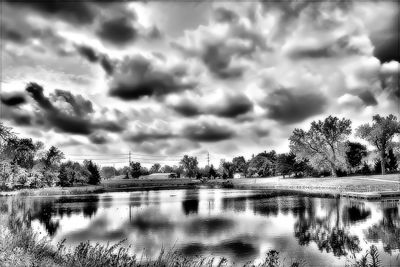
(174, 78)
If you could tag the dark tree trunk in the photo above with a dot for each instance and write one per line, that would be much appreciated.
(383, 161)
(333, 170)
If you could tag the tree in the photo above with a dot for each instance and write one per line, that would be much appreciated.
(5, 133)
(135, 169)
(52, 157)
(391, 161)
(240, 164)
(189, 165)
(285, 164)
(167, 169)
(226, 169)
(94, 174)
(155, 168)
(380, 134)
(21, 151)
(108, 172)
(323, 144)
(355, 153)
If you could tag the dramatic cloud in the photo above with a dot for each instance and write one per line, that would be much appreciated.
(95, 57)
(228, 105)
(12, 99)
(81, 12)
(118, 31)
(137, 77)
(207, 132)
(72, 118)
(222, 77)
(289, 106)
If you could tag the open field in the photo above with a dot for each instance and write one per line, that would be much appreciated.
(374, 183)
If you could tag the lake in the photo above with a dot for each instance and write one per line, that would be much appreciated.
(241, 225)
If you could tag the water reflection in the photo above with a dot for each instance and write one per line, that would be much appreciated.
(240, 225)
(387, 230)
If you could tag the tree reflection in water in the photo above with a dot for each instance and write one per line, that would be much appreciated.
(326, 232)
(190, 204)
(387, 230)
(45, 210)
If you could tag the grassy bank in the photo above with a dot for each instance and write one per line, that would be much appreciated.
(114, 185)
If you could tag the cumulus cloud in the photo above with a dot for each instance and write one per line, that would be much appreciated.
(118, 31)
(137, 77)
(79, 13)
(207, 132)
(71, 115)
(94, 56)
(228, 105)
(290, 106)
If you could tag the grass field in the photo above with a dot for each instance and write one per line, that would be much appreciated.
(374, 183)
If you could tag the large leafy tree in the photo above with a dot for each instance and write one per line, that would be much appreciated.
(323, 144)
(5, 133)
(240, 164)
(355, 153)
(380, 134)
(21, 151)
(190, 165)
(226, 169)
(52, 158)
(155, 168)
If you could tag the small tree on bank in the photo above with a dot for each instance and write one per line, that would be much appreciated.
(94, 173)
(380, 134)
(135, 169)
(323, 144)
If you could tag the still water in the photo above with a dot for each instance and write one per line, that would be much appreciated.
(239, 225)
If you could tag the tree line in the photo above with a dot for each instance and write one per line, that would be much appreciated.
(323, 149)
(25, 163)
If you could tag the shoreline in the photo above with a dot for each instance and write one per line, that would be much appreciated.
(367, 187)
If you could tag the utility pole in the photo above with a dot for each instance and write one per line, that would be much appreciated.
(129, 158)
(208, 159)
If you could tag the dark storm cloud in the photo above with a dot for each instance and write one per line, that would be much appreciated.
(98, 138)
(222, 14)
(12, 99)
(288, 106)
(13, 35)
(387, 41)
(231, 106)
(88, 52)
(207, 132)
(76, 12)
(95, 57)
(136, 77)
(75, 122)
(118, 31)
(187, 108)
(80, 105)
(142, 137)
(368, 98)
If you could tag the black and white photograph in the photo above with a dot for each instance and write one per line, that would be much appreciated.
(199, 133)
